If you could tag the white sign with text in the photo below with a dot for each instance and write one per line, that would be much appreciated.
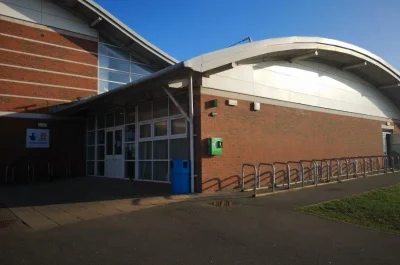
(37, 138)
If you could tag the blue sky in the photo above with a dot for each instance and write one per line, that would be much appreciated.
(186, 28)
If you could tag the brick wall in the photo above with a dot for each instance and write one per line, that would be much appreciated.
(277, 133)
(41, 68)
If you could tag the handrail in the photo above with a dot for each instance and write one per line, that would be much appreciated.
(288, 171)
(301, 169)
(259, 177)
(243, 167)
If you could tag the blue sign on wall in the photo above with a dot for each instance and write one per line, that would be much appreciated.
(37, 138)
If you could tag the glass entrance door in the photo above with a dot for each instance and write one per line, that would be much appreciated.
(114, 159)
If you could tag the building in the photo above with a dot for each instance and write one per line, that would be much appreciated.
(282, 99)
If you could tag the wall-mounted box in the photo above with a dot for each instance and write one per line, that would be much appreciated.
(215, 146)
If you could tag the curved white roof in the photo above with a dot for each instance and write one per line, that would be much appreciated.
(339, 53)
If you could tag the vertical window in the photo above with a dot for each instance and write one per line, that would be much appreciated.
(117, 66)
(91, 146)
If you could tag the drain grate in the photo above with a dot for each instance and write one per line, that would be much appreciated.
(222, 203)
(6, 223)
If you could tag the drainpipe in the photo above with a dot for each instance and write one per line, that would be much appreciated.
(191, 135)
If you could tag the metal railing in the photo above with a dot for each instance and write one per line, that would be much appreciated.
(317, 170)
(28, 173)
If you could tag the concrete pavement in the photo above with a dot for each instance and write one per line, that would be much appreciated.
(266, 230)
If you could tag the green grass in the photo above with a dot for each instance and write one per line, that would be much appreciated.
(378, 209)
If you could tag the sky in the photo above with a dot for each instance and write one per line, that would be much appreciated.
(187, 28)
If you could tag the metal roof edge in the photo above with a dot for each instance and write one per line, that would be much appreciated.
(157, 74)
(128, 31)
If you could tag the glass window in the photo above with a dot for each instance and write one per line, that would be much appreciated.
(90, 153)
(112, 51)
(113, 63)
(110, 119)
(130, 151)
(179, 148)
(160, 170)
(160, 108)
(105, 86)
(178, 126)
(90, 138)
(100, 122)
(109, 143)
(90, 167)
(141, 69)
(119, 117)
(145, 111)
(160, 128)
(136, 77)
(182, 99)
(160, 149)
(130, 133)
(118, 142)
(91, 123)
(100, 152)
(145, 130)
(100, 137)
(145, 170)
(100, 168)
(130, 115)
(145, 151)
(114, 76)
(130, 169)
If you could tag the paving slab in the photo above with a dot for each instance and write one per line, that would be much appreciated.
(79, 211)
(57, 215)
(33, 218)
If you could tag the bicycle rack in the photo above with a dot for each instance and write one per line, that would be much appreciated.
(259, 178)
(337, 163)
(341, 168)
(255, 173)
(300, 171)
(259, 175)
(287, 171)
(328, 168)
(312, 165)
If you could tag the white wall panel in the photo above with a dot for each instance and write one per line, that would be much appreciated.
(308, 83)
(20, 12)
(47, 13)
(31, 4)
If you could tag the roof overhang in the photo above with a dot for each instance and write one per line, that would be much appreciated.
(147, 88)
(118, 32)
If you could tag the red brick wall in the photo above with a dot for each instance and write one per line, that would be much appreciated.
(67, 143)
(276, 134)
(23, 43)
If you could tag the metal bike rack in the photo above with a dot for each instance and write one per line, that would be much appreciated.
(300, 171)
(287, 171)
(255, 173)
(312, 168)
(259, 178)
(347, 166)
(328, 168)
(259, 175)
(316, 171)
(337, 163)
